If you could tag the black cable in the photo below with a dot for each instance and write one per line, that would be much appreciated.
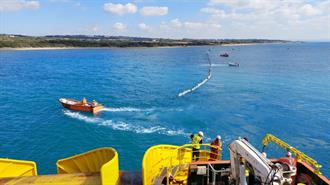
(272, 179)
(268, 176)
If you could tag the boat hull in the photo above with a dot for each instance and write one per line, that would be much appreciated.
(233, 64)
(78, 106)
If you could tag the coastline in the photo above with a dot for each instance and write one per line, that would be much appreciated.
(38, 48)
(245, 44)
(68, 48)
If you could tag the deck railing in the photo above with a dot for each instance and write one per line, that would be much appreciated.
(161, 162)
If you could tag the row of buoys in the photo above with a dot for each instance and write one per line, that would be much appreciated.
(202, 82)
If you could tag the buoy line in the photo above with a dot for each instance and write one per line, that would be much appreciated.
(183, 93)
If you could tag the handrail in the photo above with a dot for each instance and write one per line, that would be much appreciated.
(165, 158)
(300, 155)
(214, 173)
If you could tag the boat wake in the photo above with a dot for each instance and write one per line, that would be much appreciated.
(132, 109)
(214, 65)
(125, 109)
(183, 93)
(123, 126)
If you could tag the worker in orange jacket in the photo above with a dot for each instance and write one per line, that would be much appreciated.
(216, 149)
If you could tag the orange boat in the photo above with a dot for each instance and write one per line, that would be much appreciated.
(83, 105)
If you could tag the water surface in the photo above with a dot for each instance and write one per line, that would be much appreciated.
(282, 89)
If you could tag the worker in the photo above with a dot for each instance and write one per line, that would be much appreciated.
(197, 140)
(94, 103)
(216, 149)
(84, 101)
(290, 158)
(247, 175)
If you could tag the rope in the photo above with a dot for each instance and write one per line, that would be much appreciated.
(209, 75)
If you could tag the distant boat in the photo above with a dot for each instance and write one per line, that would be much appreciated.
(224, 55)
(233, 64)
(83, 105)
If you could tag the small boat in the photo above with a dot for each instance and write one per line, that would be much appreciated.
(224, 55)
(233, 64)
(83, 105)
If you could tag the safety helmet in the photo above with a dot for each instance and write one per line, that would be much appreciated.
(219, 137)
(201, 133)
(288, 154)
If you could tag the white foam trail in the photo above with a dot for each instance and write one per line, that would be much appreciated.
(125, 109)
(132, 109)
(120, 125)
(209, 76)
(214, 65)
(79, 116)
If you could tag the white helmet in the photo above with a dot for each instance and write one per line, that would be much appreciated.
(201, 133)
(219, 137)
(288, 154)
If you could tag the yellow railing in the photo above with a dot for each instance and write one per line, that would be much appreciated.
(17, 168)
(299, 155)
(101, 160)
(160, 160)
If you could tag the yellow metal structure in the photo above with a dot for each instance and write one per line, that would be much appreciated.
(101, 160)
(57, 179)
(17, 168)
(299, 155)
(163, 161)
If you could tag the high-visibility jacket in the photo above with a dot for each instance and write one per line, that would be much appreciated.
(246, 172)
(195, 141)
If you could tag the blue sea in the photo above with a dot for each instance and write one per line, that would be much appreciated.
(283, 89)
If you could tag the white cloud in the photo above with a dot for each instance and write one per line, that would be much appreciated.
(60, 1)
(214, 12)
(95, 29)
(232, 3)
(201, 25)
(283, 12)
(144, 27)
(154, 11)
(193, 25)
(309, 10)
(176, 23)
(285, 19)
(32, 4)
(119, 26)
(120, 9)
(15, 5)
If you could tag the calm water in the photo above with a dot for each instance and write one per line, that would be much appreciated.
(281, 89)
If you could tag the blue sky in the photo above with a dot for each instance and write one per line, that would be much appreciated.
(271, 19)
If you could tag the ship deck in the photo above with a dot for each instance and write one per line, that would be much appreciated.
(126, 178)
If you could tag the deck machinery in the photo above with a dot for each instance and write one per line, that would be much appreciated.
(170, 164)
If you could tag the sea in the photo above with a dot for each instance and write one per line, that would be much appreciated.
(282, 89)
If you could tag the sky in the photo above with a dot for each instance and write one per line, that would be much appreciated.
(216, 19)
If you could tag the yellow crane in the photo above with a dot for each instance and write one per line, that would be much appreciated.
(299, 155)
